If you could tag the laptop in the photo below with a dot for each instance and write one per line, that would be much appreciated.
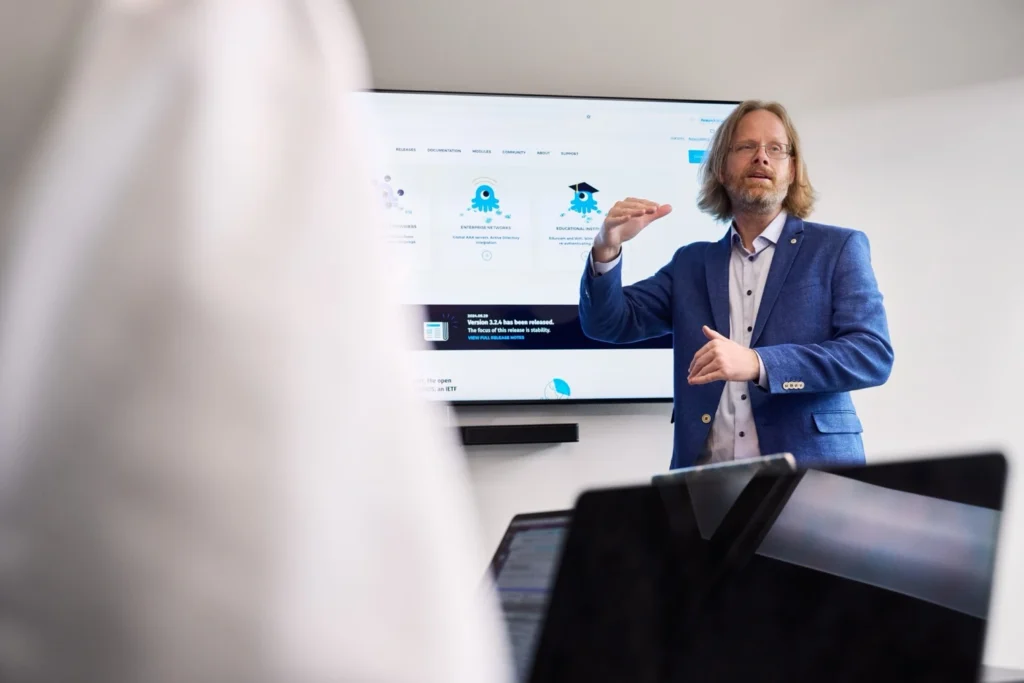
(522, 571)
(858, 574)
(524, 564)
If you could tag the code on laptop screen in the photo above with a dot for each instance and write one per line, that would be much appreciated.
(524, 570)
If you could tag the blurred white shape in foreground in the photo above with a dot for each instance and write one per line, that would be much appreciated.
(213, 464)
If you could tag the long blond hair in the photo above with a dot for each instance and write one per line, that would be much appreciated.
(714, 199)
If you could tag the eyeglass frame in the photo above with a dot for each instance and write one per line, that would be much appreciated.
(787, 149)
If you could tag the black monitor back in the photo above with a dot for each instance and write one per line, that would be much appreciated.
(849, 575)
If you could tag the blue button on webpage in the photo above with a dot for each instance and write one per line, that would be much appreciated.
(696, 156)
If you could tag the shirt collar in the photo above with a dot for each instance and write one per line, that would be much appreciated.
(771, 234)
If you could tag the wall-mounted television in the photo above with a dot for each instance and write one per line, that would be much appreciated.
(492, 203)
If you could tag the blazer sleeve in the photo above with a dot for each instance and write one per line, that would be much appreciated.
(859, 354)
(615, 314)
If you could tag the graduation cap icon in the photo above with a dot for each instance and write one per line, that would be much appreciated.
(583, 187)
(583, 201)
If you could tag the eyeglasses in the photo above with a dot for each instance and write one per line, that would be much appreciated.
(775, 150)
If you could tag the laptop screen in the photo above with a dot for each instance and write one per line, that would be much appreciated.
(866, 574)
(523, 570)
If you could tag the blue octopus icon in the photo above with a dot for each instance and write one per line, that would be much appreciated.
(485, 201)
(583, 201)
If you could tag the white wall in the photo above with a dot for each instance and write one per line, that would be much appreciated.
(936, 179)
(938, 183)
(828, 52)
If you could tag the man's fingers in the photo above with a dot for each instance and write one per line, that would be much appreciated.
(644, 202)
(706, 352)
(717, 376)
(714, 367)
(700, 354)
(615, 221)
(626, 211)
(711, 334)
(699, 362)
(703, 362)
(632, 212)
(638, 209)
(649, 208)
(623, 212)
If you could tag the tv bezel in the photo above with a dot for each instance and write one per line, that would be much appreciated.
(600, 98)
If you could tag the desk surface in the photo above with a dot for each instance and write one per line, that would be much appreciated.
(996, 675)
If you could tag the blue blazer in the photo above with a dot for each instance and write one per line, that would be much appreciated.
(821, 332)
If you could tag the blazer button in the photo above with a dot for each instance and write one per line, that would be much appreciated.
(705, 418)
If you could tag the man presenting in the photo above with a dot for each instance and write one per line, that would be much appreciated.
(773, 326)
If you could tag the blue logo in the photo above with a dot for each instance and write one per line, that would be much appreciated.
(485, 200)
(583, 201)
(557, 389)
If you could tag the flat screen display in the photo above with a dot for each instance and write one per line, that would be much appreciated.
(492, 203)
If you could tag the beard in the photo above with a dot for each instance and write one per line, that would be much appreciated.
(755, 198)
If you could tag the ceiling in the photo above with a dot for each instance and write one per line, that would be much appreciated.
(824, 53)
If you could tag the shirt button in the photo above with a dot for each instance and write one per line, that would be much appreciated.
(742, 434)
(743, 397)
(749, 292)
(749, 328)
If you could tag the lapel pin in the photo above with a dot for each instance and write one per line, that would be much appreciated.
(793, 241)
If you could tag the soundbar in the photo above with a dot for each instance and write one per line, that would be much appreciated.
(499, 435)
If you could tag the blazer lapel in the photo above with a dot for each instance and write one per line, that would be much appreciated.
(785, 253)
(716, 268)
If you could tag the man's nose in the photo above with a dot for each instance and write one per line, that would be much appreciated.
(761, 156)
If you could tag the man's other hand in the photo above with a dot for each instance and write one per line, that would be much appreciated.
(722, 359)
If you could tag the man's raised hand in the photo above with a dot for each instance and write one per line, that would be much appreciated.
(624, 220)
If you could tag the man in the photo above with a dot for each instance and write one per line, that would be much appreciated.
(205, 475)
(773, 326)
